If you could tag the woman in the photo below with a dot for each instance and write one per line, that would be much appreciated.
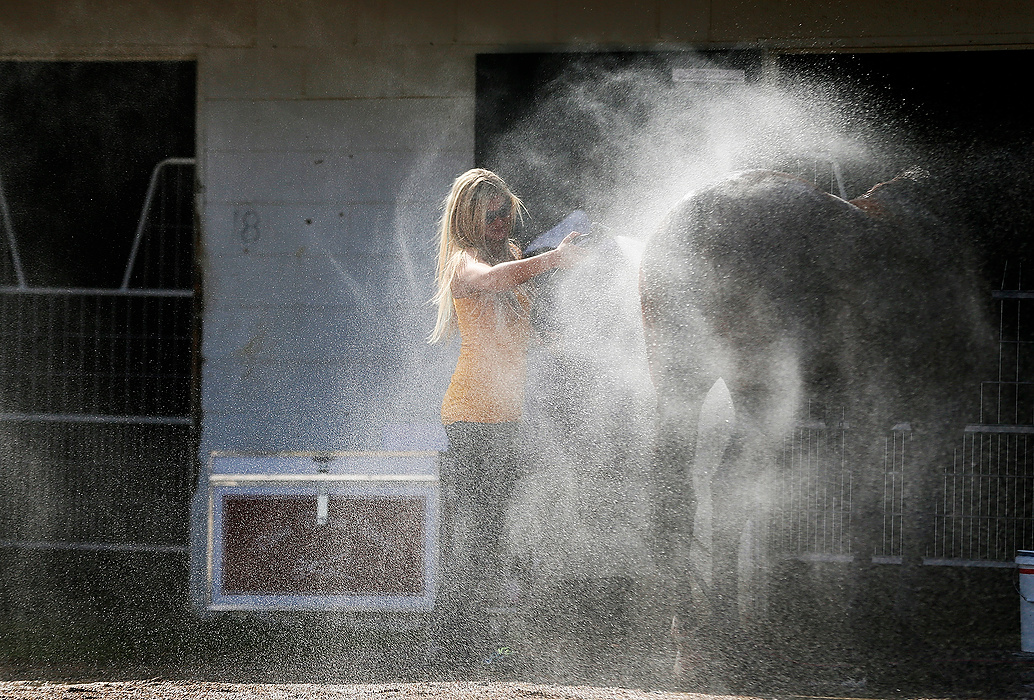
(481, 291)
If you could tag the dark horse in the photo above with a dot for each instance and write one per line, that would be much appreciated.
(761, 293)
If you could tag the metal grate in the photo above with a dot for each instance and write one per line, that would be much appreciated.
(984, 512)
(95, 392)
(823, 170)
(897, 453)
(1009, 399)
(981, 510)
(813, 515)
(985, 509)
(70, 355)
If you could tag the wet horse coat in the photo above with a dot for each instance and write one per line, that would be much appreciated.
(761, 293)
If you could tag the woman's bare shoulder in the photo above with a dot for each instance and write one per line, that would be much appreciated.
(467, 268)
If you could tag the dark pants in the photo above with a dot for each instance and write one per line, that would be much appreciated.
(477, 478)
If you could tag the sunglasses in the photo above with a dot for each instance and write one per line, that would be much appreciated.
(502, 212)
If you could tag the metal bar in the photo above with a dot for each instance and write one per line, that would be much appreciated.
(997, 498)
(95, 375)
(1011, 429)
(955, 536)
(981, 404)
(93, 418)
(823, 557)
(1001, 349)
(1012, 294)
(1016, 364)
(97, 292)
(126, 343)
(839, 177)
(327, 455)
(1018, 494)
(973, 508)
(905, 451)
(91, 546)
(237, 479)
(16, 260)
(142, 223)
(977, 563)
(849, 477)
(888, 478)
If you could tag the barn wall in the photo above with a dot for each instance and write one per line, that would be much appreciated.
(329, 131)
(336, 132)
(322, 181)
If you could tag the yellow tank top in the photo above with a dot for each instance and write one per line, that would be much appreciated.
(488, 383)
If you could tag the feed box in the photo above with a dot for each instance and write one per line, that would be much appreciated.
(322, 531)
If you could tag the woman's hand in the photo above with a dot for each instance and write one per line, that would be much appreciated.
(568, 253)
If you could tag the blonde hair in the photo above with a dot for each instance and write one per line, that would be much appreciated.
(462, 228)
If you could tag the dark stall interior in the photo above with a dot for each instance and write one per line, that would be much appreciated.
(960, 116)
(96, 356)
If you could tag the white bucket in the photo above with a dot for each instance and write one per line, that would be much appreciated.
(1025, 564)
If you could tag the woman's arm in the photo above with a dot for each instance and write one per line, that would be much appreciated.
(473, 276)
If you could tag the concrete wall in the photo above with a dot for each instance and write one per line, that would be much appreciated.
(321, 190)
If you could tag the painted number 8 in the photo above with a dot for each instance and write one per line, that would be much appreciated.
(246, 225)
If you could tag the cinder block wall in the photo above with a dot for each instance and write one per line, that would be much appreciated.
(322, 172)
(326, 145)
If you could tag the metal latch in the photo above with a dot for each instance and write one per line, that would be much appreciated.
(322, 502)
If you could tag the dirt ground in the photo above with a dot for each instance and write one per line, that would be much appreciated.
(192, 690)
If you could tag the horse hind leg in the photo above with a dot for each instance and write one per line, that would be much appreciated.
(714, 431)
(715, 426)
